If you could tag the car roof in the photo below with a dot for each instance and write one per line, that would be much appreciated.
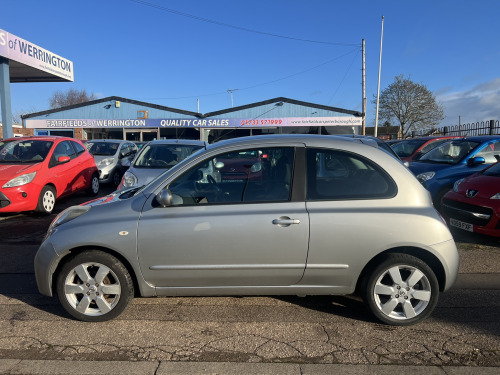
(192, 142)
(39, 138)
(108, 140)
(310, 139)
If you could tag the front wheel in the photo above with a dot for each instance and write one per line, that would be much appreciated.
(116, 178)
(402, 290)
(94, 286)
(46, 200)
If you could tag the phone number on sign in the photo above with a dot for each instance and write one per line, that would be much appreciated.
(262, 122)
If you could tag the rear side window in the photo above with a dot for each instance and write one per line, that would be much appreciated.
(78, 147)
(340, 175)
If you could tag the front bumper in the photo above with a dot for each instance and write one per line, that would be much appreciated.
(484, 218)
(46, 261)
(20, 198)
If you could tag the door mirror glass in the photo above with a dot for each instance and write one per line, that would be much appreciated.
(472, 162)
(164, 198)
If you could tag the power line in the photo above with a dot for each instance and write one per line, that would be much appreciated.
(208, 20)
(343, 78)
(268, 82)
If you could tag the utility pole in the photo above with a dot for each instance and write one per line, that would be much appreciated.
(363, 126)
(230, 91)
(379, 70)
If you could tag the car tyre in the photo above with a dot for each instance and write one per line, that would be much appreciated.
(116, 178)
(402, 290)
(94, 286)
(46, 200)
(93, 189)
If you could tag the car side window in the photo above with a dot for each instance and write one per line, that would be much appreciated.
(62, 149)
(243, 176)
(78, 147)
(340, 175)
(490, 153)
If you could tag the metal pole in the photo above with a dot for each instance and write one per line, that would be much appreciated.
(363, 125)
(5, 105)
(379, 70)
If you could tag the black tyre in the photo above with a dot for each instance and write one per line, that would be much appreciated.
(402, 290)
(93, 189)
(116, 178)
(94, 286)
(46, 200)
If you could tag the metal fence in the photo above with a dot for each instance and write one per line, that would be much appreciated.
(490, 127)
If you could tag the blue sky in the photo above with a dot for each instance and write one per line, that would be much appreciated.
(174, 52)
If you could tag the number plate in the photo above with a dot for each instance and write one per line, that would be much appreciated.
(460, 224)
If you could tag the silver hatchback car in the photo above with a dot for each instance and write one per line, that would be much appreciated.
(263, 215)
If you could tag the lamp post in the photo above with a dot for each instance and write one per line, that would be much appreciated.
(379, 69)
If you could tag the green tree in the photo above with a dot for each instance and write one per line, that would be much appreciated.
(411, 104)
(72, 96)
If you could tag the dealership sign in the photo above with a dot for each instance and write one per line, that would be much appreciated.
(24, 52)
(196, 123)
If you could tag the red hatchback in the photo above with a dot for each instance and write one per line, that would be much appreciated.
(35, 171)
(412, 149)
(474, 203)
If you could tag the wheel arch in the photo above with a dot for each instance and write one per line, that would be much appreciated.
(78, 250)
(430, 259)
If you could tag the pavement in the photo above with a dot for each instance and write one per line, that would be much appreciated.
(12, 366)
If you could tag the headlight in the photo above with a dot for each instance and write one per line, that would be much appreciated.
(256, 167)
(129, 179)
(105, 162)
(20, 180)
(65, 216)
(455, 185)
(496, 196)
(422, 177)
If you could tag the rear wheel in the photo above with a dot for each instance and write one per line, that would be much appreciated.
(402, 290)
(94, 286)
(46, 200)
(94, 185)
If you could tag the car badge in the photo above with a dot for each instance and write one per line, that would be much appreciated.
(233, 169)
(471, 193)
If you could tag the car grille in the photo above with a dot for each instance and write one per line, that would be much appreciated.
(464, 212)
(4, 201)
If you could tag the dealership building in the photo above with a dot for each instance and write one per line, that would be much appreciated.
(121, 118)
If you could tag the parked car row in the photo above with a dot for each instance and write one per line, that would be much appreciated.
(462, 177)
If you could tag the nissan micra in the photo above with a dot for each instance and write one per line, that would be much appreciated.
(327, 216)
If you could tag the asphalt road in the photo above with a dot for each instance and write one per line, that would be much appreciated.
(463, 331)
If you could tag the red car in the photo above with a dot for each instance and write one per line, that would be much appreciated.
(35, 171)
(474, 203)
(412, 149)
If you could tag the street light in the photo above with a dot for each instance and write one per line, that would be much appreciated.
(230, 91)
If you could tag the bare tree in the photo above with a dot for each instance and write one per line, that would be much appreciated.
(411, 104)
(72, 96)
(17, 115)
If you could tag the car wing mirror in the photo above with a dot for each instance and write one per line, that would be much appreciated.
(63, 159)
(164, 198)
(475, 161)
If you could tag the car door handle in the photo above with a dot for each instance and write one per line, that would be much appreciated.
(285, 221)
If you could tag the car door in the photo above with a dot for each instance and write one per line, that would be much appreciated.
(64, 175)
(217, 233)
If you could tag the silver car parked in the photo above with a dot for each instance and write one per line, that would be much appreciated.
(156, 157)
(274, 215)
(112, 157)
